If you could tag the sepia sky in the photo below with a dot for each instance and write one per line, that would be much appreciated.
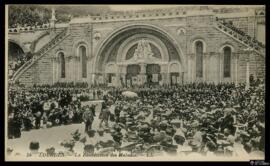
(144, 7)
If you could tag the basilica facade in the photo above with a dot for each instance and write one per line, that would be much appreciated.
(165, 47)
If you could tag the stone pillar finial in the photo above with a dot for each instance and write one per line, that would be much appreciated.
(53, 19)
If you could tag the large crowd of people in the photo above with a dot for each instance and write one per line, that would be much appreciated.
(191, 119)
(247, 37)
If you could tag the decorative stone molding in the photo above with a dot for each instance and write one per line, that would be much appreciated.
(207, 55)
(97, 35)
(191, 56)
(236, 55)
(212, 54)
(89, 28)
(181, 31)
(193, 43)
(127, 44)
(227, 44)
(77, 44)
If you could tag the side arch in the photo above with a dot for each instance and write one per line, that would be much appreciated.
(193, 42)
(77, 44)
(25, 50)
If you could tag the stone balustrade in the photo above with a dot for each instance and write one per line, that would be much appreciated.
(29, 28)
(41, 51)
(52, 42)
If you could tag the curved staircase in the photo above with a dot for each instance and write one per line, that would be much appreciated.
(40, 53)
(240, 36)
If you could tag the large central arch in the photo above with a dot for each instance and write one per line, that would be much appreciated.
(119, 35)
(115, 51)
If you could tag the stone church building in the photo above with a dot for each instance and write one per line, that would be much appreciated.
(172, 46)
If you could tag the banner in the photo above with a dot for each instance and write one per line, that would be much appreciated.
(128, 83)
(155, 77)
(114, 81)
(139, 80)
(178, 80)
(144, 79)
(174, 80)
(100, 80)
(134, 81)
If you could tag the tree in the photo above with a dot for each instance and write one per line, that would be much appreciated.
(31, 14)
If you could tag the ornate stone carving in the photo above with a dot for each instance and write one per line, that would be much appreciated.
(235, 55)
(181, 31)
(143, 52)
(97, 35)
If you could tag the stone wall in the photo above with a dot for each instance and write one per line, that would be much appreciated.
(195, 28)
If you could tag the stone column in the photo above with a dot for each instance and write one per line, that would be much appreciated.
(248, 52)
(105, 78)
(220, 55)
(163, 71)
(53, 19)
(54, 69)
(191, 66)
(247, 72)
(206, 66)
(77, 69)
(143, 68)
(69, 68)
(118, 71)
(123, 69)
(236, 57)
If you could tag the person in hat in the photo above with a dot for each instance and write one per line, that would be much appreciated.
(211, 147)
(88, 118)
(16, 126)
(180, 140)
(34, 147)
(50, 151)
(89, 150)
(37, 116)
(9, 151)
(228, 121)
(104, 116)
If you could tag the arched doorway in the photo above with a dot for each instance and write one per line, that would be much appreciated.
(139, 51)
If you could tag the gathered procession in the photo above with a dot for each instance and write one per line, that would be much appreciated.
(135, 82)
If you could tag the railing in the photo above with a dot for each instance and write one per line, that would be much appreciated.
(29, 28)
(240, 35)
(51, 43)
(45, 48)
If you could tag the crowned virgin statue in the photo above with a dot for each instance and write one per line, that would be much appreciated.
(143, 51)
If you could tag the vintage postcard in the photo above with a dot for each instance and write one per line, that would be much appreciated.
(135, 83)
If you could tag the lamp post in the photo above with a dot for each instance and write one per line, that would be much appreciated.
(248, 51)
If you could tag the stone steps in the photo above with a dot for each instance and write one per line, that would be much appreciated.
(41, 52)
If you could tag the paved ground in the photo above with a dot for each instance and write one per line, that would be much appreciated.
(52, 136)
